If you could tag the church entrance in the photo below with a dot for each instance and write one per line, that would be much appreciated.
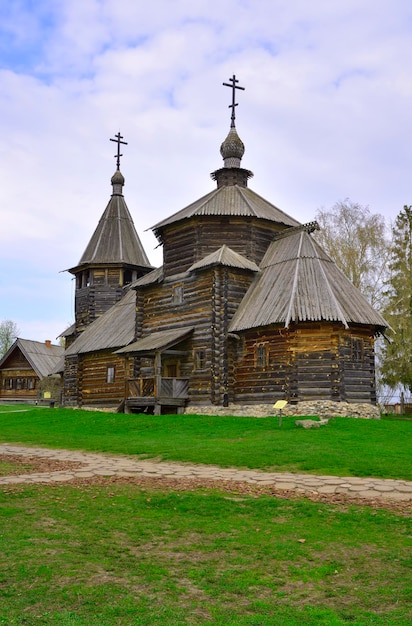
(171, 368)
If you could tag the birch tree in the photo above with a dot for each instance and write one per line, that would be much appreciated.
(357, 240)
(8, 335)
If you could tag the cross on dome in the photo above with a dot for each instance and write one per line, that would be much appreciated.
(233, 86)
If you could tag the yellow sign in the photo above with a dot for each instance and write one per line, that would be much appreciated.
(280, 404)
(47, 395)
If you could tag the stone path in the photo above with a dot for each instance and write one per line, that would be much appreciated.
(89, 465)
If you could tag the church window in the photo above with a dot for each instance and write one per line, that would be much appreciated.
(200, 359)
(110, 373)
(261, 355)
(177, 294)
(83, 279)
(127, 277)
(357, 349)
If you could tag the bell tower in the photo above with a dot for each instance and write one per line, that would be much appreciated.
(113, 258)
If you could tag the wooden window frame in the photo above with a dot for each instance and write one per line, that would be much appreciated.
(261, 355)
(178, 294)
(357, 349)
(110, 374)
(199, 359)
(127, 276)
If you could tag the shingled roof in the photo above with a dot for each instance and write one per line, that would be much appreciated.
(115, 239)
(42, 356)
(299, 282)
(113, 329)
(155, 276)
(160, 340)
(231, 200)
(227, 257)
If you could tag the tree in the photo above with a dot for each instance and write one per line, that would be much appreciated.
(397, 353)
(8, 335)
(357, 241)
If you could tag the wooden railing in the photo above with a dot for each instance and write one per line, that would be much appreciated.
(140, 388)
(146, 388)
(174, 388)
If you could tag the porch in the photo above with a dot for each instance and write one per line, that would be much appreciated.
(165, 388)
(149, 394)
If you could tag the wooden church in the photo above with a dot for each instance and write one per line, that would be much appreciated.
(246, 309)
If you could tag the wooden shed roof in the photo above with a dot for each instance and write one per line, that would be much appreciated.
(113, 329)
(232, 200)
(161, 340)
(299, 282)
(115, 239)
(42, 357)
(227, 257)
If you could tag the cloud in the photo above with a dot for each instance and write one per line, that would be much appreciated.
(325, 116)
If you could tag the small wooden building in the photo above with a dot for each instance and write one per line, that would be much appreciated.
(247, 308)
(24, 366)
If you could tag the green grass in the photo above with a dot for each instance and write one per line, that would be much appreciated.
(120, 555)
(345, 447)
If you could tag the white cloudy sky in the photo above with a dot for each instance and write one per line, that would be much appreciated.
(326, 115)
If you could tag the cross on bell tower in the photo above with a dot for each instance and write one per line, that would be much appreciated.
(118, 140)
(232, 106)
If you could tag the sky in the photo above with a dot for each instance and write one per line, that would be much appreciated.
(326, 115)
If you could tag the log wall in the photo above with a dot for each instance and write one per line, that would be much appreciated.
(93, 300)
(71, 388)
(94, 389)
(185, 243)
(312, 361)
(210, 298)
(358, 371)
(24, 384)
(262, 384)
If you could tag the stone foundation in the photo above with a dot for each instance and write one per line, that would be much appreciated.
(324, 409)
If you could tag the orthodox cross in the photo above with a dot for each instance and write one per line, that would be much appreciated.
(118, 140)
(233, 86)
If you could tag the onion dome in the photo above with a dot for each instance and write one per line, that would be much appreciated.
(232, 149)
(117, 183)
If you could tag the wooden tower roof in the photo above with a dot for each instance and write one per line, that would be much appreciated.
(299, 282)
(231, 200)
(115, 240)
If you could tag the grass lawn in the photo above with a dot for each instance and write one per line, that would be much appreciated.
(124, 554)
(345, 447)
(119, 554)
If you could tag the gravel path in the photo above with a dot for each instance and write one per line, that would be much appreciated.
(49, 466)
